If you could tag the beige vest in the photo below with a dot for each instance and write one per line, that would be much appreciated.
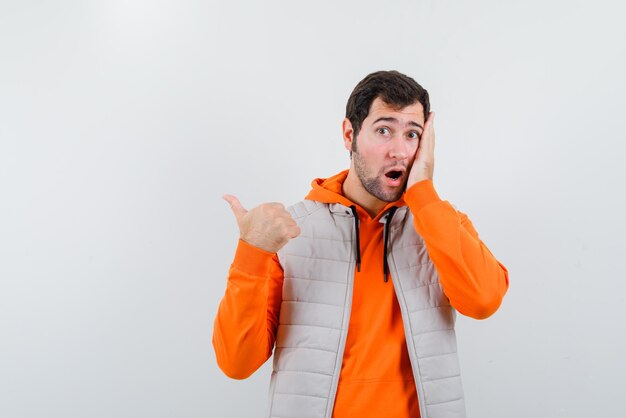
(315, 312)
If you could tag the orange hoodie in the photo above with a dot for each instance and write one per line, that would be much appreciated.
(376, 379)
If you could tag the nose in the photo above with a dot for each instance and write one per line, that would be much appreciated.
(398, 148)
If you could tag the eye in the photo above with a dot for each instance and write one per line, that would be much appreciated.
(383, 131)
(414, 135)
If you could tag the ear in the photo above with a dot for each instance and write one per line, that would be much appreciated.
(346, 127)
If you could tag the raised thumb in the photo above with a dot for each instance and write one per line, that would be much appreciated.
(235, 205)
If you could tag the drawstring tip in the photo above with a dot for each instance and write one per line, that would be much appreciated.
(358, 267)
(386, 278)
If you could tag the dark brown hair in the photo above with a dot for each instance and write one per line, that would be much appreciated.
(394, 88)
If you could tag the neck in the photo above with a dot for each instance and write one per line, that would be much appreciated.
(353, 190)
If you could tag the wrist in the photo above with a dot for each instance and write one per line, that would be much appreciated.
(420, 194)
(250, 258)
(411, 181)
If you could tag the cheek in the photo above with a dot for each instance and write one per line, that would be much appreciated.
(378, 155)
(372, 151)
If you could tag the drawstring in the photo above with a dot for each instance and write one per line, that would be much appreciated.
(358, 242)
(386, 234)
(392, 210)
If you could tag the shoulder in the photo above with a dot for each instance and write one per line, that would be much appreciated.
(305, 208)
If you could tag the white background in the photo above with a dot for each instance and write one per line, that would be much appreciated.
(123, 122)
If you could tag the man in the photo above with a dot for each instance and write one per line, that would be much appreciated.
(357, 286)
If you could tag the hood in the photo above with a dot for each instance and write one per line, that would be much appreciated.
(330, 190)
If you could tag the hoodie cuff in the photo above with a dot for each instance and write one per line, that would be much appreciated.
(252, 260)
(420, 195)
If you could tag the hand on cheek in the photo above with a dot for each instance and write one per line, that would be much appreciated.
(424, 162)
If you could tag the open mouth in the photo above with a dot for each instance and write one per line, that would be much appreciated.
(394, 174)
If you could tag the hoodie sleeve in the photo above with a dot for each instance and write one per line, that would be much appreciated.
(244, 330)
(471, 277)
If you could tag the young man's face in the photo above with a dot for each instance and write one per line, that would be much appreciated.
(385, 148)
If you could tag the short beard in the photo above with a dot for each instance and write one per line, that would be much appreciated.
(374, 184)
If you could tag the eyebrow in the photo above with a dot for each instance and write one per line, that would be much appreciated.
(390, 119)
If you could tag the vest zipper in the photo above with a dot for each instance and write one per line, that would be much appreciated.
(358, 241)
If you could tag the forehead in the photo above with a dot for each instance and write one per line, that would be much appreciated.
(413, 112)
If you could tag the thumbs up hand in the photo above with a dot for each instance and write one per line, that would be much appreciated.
(268, 226)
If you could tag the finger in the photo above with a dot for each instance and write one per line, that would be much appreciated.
(235, 205)
(276, 205)
(432, 130)
(431, 118)
(428, 137)
(429, 123)
(426, 130)
(294, 231)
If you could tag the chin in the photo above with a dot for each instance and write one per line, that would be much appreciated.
(392, 197)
